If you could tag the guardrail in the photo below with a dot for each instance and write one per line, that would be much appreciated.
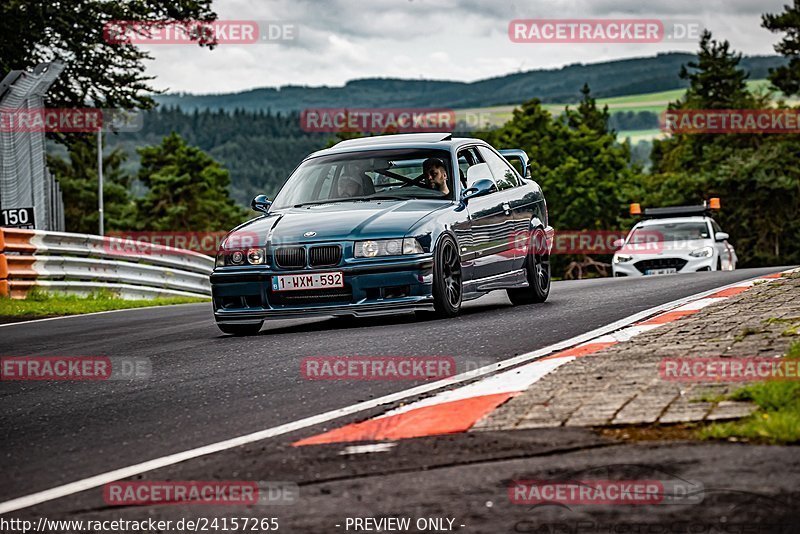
(81, 264)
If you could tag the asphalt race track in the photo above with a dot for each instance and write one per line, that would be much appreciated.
(206, 387)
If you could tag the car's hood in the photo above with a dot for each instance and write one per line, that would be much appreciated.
(345, 221)
(664, 248)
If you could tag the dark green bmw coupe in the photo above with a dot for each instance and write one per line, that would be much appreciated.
(387, 224)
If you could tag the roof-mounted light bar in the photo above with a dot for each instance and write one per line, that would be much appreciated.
(677, 211)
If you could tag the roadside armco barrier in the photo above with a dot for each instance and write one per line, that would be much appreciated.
(80, 264)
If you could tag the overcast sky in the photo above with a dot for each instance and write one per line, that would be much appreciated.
(467, 40)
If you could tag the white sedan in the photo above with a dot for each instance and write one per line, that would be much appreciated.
(674, 245)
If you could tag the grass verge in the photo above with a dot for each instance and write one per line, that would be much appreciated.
(39, 304)
(777, 419)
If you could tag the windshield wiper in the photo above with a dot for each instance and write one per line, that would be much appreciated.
(349, 199)
(385, 197)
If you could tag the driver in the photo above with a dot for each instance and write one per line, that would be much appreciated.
(349, 186)
(435, 174)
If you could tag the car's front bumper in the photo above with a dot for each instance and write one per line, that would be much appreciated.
(682, 262)
(243, 295)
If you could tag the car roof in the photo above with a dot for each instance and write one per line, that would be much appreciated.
(669, 220)
(439, 140)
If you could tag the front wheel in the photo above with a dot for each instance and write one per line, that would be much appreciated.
(240, 329)
(447, 279)
(537, 271)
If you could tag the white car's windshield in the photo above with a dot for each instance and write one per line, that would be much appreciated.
(368, 175)
(679, 231)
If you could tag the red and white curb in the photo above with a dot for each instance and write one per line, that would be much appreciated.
(457, 410)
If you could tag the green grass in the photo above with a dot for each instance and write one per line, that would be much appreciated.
(40, 304)
(496, 116)
(777, 419)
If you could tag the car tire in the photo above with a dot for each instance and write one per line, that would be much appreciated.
(537, 271)
(447, 279)
(240, 329)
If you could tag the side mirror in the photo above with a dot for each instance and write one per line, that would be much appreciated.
(478, 172)
(721, 236)
(479, 188)
(261, 203)
(527, 172)
(618, 243)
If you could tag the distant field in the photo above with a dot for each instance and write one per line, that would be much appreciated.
(496, 116)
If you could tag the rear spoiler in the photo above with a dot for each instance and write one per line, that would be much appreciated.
(519, 156)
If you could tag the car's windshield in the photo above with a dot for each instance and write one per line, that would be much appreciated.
(359, 176)
(678, 231)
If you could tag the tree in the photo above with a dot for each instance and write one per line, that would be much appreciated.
(97, 72)
(79, 185)
(786, 78)
(715, 80)
(585, 173)
(186, 190)
(756, 175)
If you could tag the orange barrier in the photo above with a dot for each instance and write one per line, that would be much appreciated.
(16, 289)
(14, 240)
(17, 266)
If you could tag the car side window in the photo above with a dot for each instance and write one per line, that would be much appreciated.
(466, 159)
(504, 174)
(715, 226)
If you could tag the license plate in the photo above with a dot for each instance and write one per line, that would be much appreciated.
(294, 282)
(661, 271)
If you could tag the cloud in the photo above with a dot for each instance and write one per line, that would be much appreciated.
(463, 40)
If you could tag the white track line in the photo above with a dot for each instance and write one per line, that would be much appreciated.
(18, 323)
(172, 459)
(511, 381)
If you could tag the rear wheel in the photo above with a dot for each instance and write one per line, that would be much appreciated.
(537, 271)
(447, 279)
(240, 329)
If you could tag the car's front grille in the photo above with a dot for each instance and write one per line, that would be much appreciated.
(325, 255)
(660, 263)
(290, 257)
(340, 295)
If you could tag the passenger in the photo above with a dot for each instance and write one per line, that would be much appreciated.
(435, 174)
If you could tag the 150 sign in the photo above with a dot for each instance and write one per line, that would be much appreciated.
(17, 218)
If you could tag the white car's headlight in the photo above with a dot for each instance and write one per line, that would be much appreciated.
(622, 258)
(387, 247)
(705, 252)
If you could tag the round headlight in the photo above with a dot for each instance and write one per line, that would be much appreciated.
(255, 256)
(237, 257)
(369, 249)
(394, 247)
